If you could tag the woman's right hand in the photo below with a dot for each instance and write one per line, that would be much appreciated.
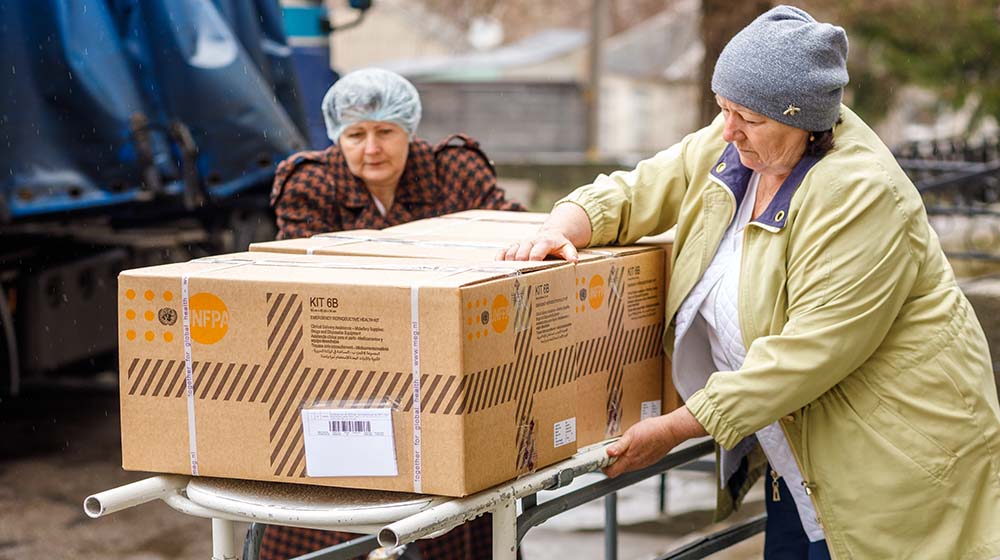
(566, 228)
(543, 244)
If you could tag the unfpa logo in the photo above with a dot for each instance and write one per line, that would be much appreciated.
(589, 292)
(501, 316)
(209, 318)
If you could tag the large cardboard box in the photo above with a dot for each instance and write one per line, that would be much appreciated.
(267, 366)
(618, 320)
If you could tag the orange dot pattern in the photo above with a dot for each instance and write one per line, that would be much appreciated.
(150, 316)
(474, 321)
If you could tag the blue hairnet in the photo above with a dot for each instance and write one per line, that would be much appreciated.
(372, 94)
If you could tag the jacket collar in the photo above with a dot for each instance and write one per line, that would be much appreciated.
(416, 184)
(729, 171)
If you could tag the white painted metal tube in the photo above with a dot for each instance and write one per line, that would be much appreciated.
(505, 531)
(455, 512)
(223, 539)
(139, 492)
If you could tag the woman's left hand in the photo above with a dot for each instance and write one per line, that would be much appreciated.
(648, 441)
(641, 445)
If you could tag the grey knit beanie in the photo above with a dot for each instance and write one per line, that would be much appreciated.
(787, 66)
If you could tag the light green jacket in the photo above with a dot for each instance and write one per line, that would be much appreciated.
(858, 339)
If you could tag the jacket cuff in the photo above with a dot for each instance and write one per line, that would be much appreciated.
(711, 418)
(595, 213)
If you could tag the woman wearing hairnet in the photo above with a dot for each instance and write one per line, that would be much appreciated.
(379, 174)
(816, 329)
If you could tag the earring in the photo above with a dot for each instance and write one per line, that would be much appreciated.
(812, 138)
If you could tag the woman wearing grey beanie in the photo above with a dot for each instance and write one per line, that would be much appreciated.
(815, 327)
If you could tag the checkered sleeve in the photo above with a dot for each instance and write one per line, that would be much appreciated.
(301, 197)
(467, 167)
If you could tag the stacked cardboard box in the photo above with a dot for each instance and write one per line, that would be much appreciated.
(233, 366)
(623, 376)
(295, 362)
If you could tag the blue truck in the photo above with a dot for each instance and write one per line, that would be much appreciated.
(137, 132)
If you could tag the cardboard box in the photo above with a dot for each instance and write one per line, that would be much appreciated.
(618, 305)
(270, 335)
(494, 221)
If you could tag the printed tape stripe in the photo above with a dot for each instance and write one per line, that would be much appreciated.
(502, 379)
(524, 386)
(615, 362)
(277, 373)
(282, 348)
(491, 381)
(282, 376)
(456, 398)
(264, 375)
(138, 378)
(519, 383)
(321, 394)
(292, 422)
(274, 306)
(398, 383)
(404, 388)
(143, 374)
(237, 381)
(151, 377)
(289, 400)
(341, 379)
(131, 367)
(289, 450)
(364, 388)
(248, 383)
(428, 394)
(290, 415)
(229, 378)
(293, 303)
(546, 374)
(168, 373)
(476, 395)
(593, 354)
(224, 381)
(349, 393)
(617, 369)
(378, 389)
(444, 393)
(469, 399)
(634, 350)
(289, 410)
(206, 385)
(182, 386)
(309, 399)
(646, 349)
(560, 368)
(287, 426)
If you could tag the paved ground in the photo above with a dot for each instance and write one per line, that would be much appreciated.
(57, 447)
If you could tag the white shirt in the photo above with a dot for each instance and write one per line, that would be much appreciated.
(708, 320)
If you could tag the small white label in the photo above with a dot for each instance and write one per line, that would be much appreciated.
(564, 432)
(349, 442)
(650, 409)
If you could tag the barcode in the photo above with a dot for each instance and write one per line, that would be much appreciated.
(356, 426)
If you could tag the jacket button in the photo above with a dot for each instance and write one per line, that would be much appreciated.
(788, 419)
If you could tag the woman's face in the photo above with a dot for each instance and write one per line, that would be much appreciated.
(375, 152)
(765, 145)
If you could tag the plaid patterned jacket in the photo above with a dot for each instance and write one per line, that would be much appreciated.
(314, 192)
